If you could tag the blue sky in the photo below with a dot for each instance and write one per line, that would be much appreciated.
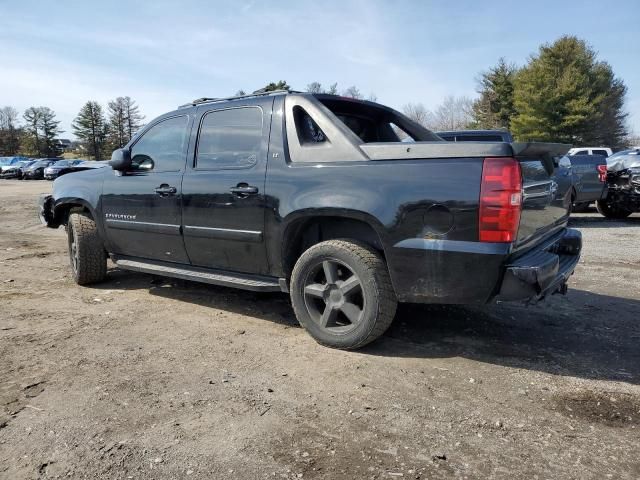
(61, 54)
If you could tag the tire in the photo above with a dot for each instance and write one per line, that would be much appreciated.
(86, 251)
(611, 210)
(342, 294)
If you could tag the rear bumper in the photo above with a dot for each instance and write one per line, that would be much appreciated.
(443, 271)
(542, 271)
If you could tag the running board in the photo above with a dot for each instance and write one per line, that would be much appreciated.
(256, 283)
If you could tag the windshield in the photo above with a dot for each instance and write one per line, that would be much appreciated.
(41, 163)
(61, 163)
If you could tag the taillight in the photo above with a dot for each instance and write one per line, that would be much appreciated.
(602, 173)
(500, 200)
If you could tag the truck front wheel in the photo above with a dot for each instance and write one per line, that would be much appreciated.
(86, 251)
(342, 293)
(610, 209)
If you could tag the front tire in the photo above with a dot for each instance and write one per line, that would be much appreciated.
(86, 251)
(610, 209)
(342, 294)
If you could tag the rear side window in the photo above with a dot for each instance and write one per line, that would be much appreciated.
(582, 152)
(601, 152)
(229, 138)
(162, 148)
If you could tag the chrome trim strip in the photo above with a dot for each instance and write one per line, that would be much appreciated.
(147, 227)
(223, 233)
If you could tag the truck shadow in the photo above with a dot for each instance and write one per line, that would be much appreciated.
(584, 334)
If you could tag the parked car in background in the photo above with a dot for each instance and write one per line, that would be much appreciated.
(346, 217)
(476, 136)
(60, 168)
(8, 163)
(562, 176)
(35, 171)
(623, 181)
(15, 170)
(589, 179)
(605, 152)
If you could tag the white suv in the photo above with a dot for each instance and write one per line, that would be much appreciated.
(605, 152)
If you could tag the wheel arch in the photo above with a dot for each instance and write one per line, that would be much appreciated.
(307, 229)
(63, 207)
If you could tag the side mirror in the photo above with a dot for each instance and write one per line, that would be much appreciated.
(121, 159)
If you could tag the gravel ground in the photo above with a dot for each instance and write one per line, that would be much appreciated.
(142, 377)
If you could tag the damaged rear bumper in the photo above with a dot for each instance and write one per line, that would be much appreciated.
(542, 271)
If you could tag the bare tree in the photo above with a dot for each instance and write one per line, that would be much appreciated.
(353, 92)
(454, 113)
(315, 87)
(9, 131)
(418, 113)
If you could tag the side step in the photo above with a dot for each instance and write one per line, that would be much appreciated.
(216, 277)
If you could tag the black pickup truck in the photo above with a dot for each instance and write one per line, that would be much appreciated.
(317, 196)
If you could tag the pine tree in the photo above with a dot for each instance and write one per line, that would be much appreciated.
(271, 87)
(494, 108)
(566, 95)
(91, 128)
(50, 131)
(40, 132)
(32, 144)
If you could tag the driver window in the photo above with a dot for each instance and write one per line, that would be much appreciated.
(162, 148)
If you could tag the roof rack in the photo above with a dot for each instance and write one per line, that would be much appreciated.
(257, 93)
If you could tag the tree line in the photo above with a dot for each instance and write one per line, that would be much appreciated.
(36, 134)
(563, 94)
(100, 133)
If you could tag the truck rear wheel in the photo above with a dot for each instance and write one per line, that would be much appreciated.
(86, 251)
(342, 294)
(610, 209)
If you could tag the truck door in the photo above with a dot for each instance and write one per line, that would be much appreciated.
(223, 187)
(141, 207)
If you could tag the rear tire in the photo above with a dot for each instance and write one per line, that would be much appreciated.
(611, 210)
(86, 251)
(342, 294)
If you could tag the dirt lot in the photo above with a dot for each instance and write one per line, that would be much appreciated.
(141, 377)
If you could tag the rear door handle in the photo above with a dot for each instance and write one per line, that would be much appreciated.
(243, 190)
(165, 190)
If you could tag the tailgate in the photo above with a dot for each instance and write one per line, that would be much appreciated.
(545, 191)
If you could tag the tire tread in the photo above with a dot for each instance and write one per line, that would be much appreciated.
(92, 261)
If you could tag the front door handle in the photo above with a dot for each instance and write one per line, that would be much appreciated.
(243, 190)
(165, 190)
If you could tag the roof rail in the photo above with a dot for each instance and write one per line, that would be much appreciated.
(257, 93)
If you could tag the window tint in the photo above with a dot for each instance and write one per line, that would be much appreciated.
(600, 152)
(582, 152)
(309, 132)
(163, 147)
(230, 138)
